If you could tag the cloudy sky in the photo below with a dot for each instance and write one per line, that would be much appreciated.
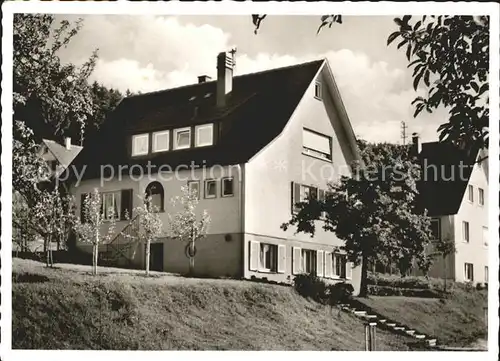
(147, 53)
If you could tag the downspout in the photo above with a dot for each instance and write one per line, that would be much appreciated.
(241, 215)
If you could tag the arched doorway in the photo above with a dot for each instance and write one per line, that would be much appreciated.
(155, 191)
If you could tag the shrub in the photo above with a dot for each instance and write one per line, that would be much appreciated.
(377, 290)
(339, 293)
(311, 286)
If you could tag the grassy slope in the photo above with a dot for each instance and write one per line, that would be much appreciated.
(456, 321)
(69, 309)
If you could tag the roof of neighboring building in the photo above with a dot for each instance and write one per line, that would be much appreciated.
(64, 156)
(256, 112)
(446, 170)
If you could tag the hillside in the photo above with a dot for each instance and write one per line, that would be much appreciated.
(67, 308)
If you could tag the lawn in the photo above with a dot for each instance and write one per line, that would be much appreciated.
(67, 308)
(457, 320)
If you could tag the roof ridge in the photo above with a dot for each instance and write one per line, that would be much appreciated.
(237, 76)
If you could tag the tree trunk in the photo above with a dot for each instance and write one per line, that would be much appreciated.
(148, 255)
(191, 258)
(46, 250)
(445, 273)
(95, 253)
(363, 288)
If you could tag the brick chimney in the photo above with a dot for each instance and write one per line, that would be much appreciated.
(224, 77)
(417, 145)
(67, 143)
(203, 79)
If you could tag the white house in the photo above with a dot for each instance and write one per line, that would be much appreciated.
(252, 146)
(454, 190)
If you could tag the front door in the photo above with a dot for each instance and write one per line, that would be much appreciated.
(156, 257)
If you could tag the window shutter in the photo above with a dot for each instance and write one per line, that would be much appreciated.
(343, 267)
(254, 255)
(313, 193)
(328, 264)
(281, 258)
(348, 270)
(83, 217)
(295, 195)
(126, 204)
(296, 261)
(319, 263)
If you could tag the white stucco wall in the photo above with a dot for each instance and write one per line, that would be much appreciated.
(475, 251)
(270, 173)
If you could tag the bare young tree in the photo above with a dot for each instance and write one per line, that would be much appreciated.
(90, 227)
(185, 225)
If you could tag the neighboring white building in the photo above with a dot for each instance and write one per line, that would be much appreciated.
(261, 142)
(456, 198)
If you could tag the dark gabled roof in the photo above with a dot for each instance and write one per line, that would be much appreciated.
(257, 110)
(446, 170)
(64, 156)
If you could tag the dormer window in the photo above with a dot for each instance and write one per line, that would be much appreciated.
(204, 135)
(140, 144)
(182, 138)
(161, 141)
(317, 90)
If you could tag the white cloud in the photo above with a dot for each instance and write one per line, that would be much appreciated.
(145, 53)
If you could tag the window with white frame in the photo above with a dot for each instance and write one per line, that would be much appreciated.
(227, 186)
(161, 141)
(204, 135)
(339, 265)
(316, 144)
(481, 196)
(140, 144)
(465, 231)
(436, 229)
(110, 205)
(318, 91)
(471, 193)
(302, 193)
(194, 188)
(307, 192)
(485, 236)
(182, 138)
(268, 257)
(210, 188)
(469, 272)
(309, 260)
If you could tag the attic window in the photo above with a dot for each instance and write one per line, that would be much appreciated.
(182, 138)
(204, 135)
(316, 145)
(318, 90)
(161, 141)
(140, 144)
